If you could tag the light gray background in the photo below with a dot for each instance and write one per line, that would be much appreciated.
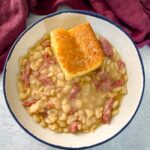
(135, 137)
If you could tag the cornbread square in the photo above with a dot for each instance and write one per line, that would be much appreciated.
(77, 50)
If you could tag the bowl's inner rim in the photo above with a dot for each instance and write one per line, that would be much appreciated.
(54, 14)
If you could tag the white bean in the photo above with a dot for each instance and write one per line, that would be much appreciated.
(87, 78)
(59, 96)
(115, 112)
(33, 66)
(44, 72)
(83, 120)
(111, 94)
(61, 123)
(88, 122)
(117, 89)
(123, 71)
(66, 108)
(80, 112)
(108, 61)
(79, 126)
(38, 62)
(54, 79)
(23, 96)
(124, 89)
(115, 104)
(52, 118)
(60, 76)
(59, 130)
(93, 127)
(52, 112)
(34, 108)
(66, 89)
(65, 101)
(125, 78)
(37, 55)
(71, 119)
(53, 126)
(29, 91)
(63, 117)
(39, 48)
(52, 92)
(48, 50)
(60, 83)
(35, 94)
(66, 130)
(36, 118)
(47, 120)
(98, 113)
(43, 124)
(79, 104)
(47, 90)
(89, 113)
(21, 87)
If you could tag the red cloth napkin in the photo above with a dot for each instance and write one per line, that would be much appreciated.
(132, 15)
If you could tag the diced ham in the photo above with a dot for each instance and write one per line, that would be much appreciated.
(104, 76)
(74, 91)
(104, 82)
(117, 83)
(29, 103)
(47, 61)
(120, 64)
(26, 74)
(108, 49)
(96, 83)
(73, 127)
(106, 115)
(106, 86)
(45, 80)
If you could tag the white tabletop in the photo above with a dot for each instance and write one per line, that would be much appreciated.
(135, 136)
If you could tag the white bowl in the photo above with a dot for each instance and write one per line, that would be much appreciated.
(117, 37)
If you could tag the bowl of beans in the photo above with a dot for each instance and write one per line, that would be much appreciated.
(81, 112)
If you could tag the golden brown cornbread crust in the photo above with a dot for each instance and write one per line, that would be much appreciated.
(77, 50)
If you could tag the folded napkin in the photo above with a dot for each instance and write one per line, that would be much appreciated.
(132, 15)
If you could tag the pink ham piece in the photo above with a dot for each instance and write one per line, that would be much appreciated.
(106, 86)
(45, 80)
(47, 61)
(117, 83)
(73, 127)
(26, 74)
(104, 82)
(108, 49)
(96, 83)
(29, 103)
(106, 115)
(74, 91)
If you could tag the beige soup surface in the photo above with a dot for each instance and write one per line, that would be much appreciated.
(71, 106)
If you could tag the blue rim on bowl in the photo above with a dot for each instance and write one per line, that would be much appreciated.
(79, 12)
